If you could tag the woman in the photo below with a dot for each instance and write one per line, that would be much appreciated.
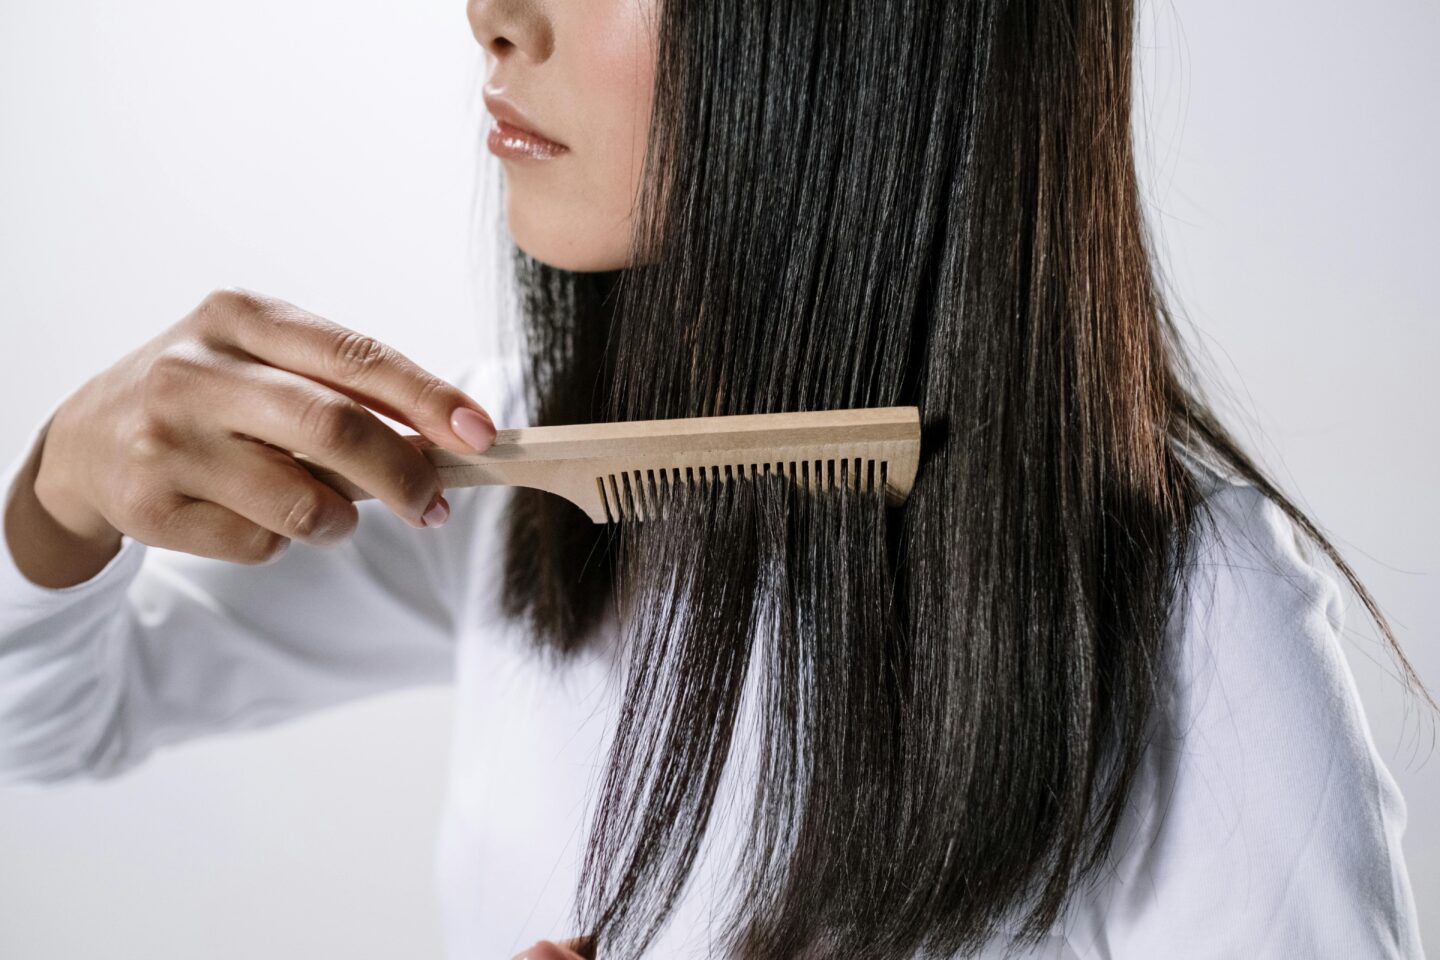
(1081, 696)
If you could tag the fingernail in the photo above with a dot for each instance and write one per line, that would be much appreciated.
(437, 513)
(474, 428)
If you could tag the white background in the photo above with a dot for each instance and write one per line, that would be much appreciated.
(326, 153)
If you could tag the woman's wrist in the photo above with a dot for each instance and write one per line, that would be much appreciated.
(55, 538)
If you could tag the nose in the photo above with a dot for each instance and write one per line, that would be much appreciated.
(508, 27)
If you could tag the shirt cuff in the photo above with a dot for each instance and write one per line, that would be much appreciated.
(23, 598)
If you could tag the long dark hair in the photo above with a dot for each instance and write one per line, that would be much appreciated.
(850, 205)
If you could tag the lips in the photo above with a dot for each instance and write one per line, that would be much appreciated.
(513, 135)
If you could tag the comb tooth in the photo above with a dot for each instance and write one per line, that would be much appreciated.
(642, 501)
(604, 500)
(630, 513)
(845, 473)
(614, 488)
(647, 488)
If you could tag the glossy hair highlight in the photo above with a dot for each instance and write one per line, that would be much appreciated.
(848, 205)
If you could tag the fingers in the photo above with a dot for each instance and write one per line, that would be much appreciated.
(364, 369)
(178, 522)
(266, 487)
(294, 413)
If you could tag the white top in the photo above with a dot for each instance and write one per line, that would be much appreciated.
(1264, 822)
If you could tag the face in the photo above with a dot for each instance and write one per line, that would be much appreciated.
(568, 91)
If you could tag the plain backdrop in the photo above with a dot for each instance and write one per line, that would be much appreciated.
(327, 153)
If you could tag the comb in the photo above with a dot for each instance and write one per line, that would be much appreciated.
(627, 471)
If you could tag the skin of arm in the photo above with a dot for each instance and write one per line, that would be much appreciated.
(48, 552)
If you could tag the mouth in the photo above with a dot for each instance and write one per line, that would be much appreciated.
(513, 136)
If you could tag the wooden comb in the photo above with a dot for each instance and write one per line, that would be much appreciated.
(626, 471)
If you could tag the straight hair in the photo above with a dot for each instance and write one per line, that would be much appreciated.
(922, 203)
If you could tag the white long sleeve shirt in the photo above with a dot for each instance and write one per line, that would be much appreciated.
(1264, 822)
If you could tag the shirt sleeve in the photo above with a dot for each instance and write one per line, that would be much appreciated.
(1266, 824)
(161, 646)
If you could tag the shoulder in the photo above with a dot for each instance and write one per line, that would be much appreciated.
(1262, 799)
(1257, 610)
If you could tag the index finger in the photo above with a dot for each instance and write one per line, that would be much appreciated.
(283, 335)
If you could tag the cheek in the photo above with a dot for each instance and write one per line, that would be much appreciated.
(576, 214)
(613, 74)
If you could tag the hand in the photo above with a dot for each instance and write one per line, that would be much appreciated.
(564, 950)
(185, 442)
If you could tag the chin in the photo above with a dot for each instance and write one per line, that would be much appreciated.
(559, 238)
